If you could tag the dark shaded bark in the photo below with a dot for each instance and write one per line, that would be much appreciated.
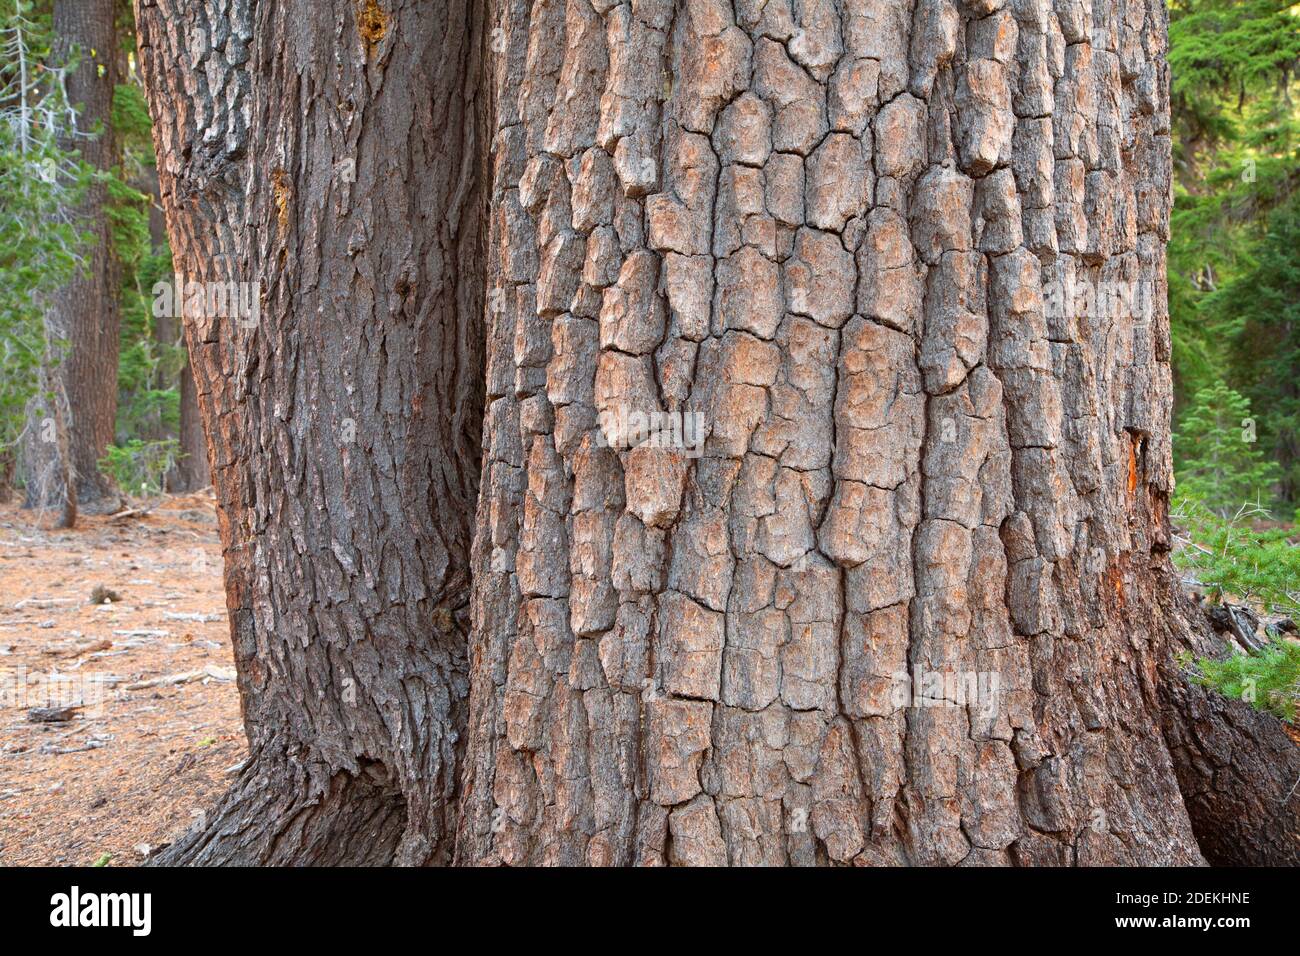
(332, 153)
(281, 811)
(1239, 774)
(7, 463)
(83, 319)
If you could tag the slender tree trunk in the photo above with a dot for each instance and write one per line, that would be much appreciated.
(83, 317)
(6, 475)
(191, 471)
(164, 326)
(910, 604)
(330, 152)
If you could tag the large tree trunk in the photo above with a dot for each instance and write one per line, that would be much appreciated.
(83, 318)
(829, 229)
(822, 231)
(329, 151)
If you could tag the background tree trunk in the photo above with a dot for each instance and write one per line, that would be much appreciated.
(331, 153)
(83, 318)
(191, 472)
(7, 463)
(829, 228)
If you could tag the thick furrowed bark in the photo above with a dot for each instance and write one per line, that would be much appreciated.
(830, 229)
(331, 153)
(1239, 774)
(278, 813)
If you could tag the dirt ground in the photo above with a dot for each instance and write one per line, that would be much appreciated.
(158, 730)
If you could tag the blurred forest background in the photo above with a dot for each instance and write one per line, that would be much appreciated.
(82, 247)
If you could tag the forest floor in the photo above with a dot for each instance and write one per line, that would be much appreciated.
(158, 728)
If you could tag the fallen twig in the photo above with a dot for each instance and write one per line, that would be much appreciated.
(42, 602)
(130, 513)
(191, 616)
(212, 671)
(77, 650)
(80, 728)
(51, 750)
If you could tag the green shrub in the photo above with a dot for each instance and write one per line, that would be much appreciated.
(1268, 681)
(140, 466)
(1216, 456)
(1231, 556)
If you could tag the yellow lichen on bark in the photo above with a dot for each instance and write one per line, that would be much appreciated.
(283, 197)
(372, 24)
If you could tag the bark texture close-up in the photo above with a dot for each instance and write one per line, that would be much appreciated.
(325, 158)
(831, 230)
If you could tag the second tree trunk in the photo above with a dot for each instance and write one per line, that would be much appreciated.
(329, 167)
